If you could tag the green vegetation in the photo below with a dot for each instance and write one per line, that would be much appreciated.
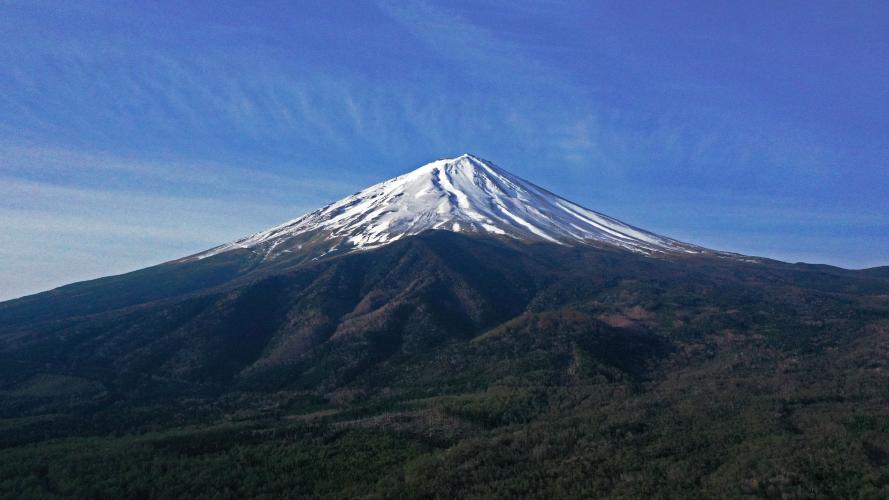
(452, 368)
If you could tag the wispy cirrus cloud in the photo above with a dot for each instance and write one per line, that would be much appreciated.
(208, 178)
(478, 51)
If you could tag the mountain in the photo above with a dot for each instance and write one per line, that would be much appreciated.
(464, 194)
(453, 332)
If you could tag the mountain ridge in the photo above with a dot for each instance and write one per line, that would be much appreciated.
(551, 369)
(460, 194)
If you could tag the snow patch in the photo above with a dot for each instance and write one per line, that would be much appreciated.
(463, 194)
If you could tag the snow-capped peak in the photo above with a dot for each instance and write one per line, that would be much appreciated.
(464, 194)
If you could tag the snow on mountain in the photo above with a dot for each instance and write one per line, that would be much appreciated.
(464, 194)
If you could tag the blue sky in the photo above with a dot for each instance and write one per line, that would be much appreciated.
(136, 132)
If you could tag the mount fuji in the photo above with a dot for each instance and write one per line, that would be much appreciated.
(465, 194)
(438, 331)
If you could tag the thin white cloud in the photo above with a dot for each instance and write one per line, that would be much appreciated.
(480, 52)
(17, 159)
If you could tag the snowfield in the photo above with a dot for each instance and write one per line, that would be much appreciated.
(464, 194)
